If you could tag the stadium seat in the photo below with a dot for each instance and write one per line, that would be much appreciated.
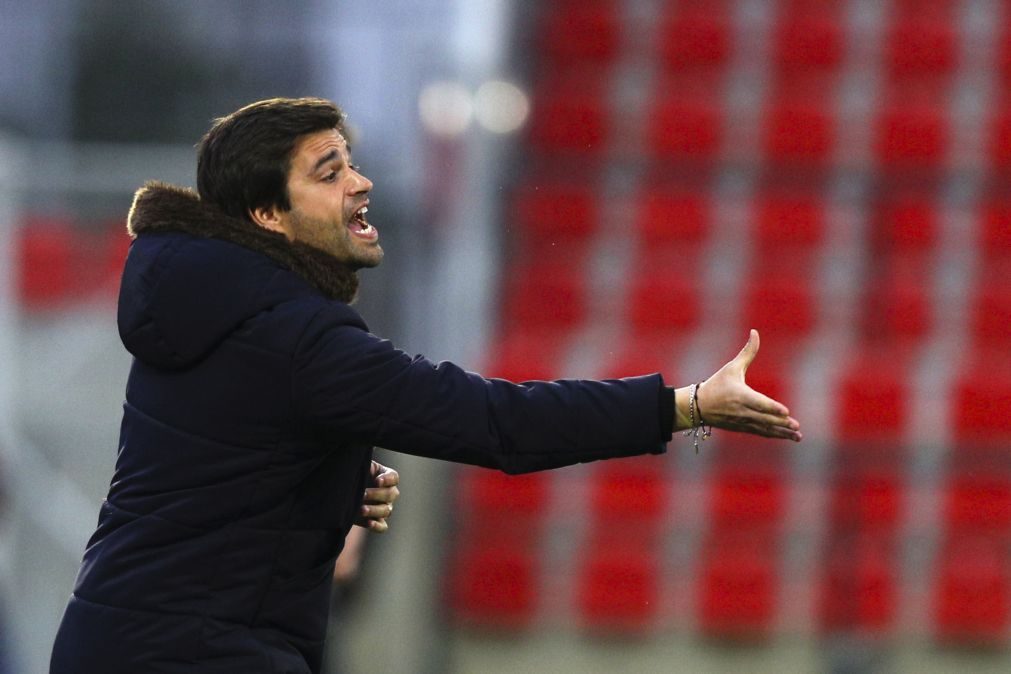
(920, 46)
(570, 117)
(911, 136)
(685, 125)
(619, 584)
(748, 482)
(867, 490)
(991, 314)
(859, 586)
(897, 311)
(995, 228)
(780, 303)
(664, 301)
(696, 35)
(798, 131)
(808, 39)
(978, 500)
(675, 215)
(545, 296)
(971, 602)
(630, 496)
(556, 210)
(982, 400)
(999, 139)
(492, 494)
(580, 33)
(493, 586)
(788, 219)
(47, 272)
(872, 396)
(739, 587)
(524, 355)
(904, 221)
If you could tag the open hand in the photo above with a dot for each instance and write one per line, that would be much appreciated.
(727, 402)
(377, 504)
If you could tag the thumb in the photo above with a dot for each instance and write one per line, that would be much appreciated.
(748, 353)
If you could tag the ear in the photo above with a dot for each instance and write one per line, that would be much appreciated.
(270, 217)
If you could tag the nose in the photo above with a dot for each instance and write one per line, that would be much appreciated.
(362, 184)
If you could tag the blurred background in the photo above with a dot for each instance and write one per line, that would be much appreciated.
(577, 189)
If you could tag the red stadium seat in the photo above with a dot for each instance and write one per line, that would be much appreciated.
(545, 297)
(675, 215)
(798, 131)
(991, 314)
(971, 601)
(808, 40)
(995, 229)
(580, 33)
(630, 495)
(492, 494)
(570, 117)
(905, 221)
(780, 304)
(788, 219)
(523, 355)
(859, 590)
(696, 35)
(867, 492)
(1000, 135)
(982, 400)
(47, 273)
(912, 135)
(685, 125)
(619, 584)
(897, 310)
(978, 501)
(738, 595)
(872, 398)
(555, 210)
(494, 586)
(921, 46)
(747, 494)
(665, 302)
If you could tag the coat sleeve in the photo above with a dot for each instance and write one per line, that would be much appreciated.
(353, 385)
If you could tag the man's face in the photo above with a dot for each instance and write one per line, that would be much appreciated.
(328, 199)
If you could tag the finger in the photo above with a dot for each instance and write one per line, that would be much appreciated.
(376, 511)
(775, 420)
(381, 495)
(748, 353)
(388, 478)
(378, 526)
(774, 431)
(759, 402)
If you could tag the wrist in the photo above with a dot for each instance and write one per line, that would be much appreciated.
(682, 419)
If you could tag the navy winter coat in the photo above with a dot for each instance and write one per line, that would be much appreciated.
(254, 400)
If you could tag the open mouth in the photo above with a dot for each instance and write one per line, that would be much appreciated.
(360, 227)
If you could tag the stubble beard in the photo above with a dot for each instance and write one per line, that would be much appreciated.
(334, 239)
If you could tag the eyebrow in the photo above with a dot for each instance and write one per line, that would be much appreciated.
(325, 159)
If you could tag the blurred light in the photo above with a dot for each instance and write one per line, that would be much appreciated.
(446, 108)
(501, 107)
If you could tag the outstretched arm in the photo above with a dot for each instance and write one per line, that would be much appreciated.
(727, 402)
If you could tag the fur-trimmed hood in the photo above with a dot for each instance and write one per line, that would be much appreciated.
(195, 275)
(159, 207)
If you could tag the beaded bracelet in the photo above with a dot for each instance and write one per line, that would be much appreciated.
(701, 429)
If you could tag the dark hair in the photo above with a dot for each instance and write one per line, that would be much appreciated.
(243, 161)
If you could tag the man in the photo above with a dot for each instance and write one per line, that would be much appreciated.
(257, 394)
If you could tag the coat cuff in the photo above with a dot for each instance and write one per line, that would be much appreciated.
(666, 413)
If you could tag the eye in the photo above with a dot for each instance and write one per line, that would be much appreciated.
(355, 167)
(330, 177)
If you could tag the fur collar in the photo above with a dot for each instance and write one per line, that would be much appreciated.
(158, 207)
